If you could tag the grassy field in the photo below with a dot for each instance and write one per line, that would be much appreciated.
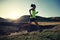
(46, 34)
(36, 35)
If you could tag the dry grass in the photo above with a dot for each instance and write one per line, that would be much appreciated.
(48, 23)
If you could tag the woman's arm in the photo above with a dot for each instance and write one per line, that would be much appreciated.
(36, 12)
(30, 12)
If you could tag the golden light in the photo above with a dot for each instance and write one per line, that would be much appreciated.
(14, 15)
(12, 10)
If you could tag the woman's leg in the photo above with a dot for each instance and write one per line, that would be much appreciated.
(35, 21)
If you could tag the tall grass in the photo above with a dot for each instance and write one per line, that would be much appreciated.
(44, 35)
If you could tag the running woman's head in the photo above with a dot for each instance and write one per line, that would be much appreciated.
(33, 6)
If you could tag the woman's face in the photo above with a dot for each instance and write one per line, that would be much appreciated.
(33, 7)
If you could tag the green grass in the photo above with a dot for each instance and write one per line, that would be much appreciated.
(44, 35)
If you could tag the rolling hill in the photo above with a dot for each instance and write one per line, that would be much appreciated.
(7, 26)
(26, 18)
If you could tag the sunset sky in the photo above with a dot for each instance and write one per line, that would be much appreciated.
(14, 9)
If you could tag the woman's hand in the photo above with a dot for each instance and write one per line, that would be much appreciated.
(36, 12)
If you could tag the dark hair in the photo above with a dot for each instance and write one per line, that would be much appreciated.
(33, 5)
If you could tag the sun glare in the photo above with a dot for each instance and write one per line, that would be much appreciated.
(11, 10)
(14, 15)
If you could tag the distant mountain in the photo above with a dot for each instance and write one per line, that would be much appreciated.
(26, 18)
(5, 20)
(55, 18)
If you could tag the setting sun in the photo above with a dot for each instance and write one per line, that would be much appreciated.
(11, 10)
(14, 15)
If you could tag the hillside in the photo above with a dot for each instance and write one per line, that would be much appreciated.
(21, 30)
(7, 26)
(26, 18)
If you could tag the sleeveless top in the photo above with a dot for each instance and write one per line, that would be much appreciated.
(33, 12)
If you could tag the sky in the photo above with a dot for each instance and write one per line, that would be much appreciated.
(14, 9)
